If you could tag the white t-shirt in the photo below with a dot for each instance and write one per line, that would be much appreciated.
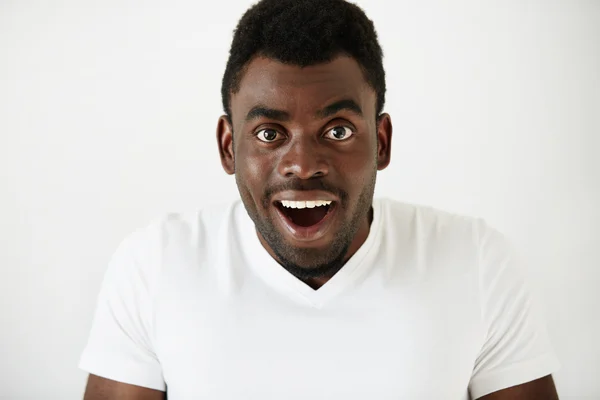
(432, 306)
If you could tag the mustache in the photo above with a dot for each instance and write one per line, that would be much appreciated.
(302, 184)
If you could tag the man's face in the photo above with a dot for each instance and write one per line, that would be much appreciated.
(305, 145)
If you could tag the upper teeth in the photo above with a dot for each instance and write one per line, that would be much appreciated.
(304, 204)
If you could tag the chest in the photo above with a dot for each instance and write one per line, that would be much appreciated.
(256, 344)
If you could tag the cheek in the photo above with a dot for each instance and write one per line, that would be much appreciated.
(256, 170)
(358, 164)
(252, 174)
(359, 171)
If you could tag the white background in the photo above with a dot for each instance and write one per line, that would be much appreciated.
(108, 112)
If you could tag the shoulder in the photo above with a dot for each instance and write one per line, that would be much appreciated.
(171, 236)
(455, 242)
(442, 241)
(427, 222)
(191, 227)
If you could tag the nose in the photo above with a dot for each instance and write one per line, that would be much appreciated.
(304, 159)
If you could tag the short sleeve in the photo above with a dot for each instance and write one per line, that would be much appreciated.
(516, 348)
(120, 345)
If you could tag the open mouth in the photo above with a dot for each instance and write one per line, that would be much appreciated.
(305, 214)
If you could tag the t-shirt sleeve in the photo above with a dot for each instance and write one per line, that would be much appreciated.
(120, 344)
(516, 348)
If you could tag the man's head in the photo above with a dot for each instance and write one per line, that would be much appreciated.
(303, 132)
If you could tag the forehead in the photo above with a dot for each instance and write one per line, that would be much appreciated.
(298, 90)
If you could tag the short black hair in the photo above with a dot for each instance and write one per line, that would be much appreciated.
(304, 32)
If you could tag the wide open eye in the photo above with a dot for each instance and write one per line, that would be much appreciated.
(339, 133)
(268, 135)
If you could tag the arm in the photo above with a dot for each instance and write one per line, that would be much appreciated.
(120, 355)
(99, 388)
(542, 388)
(516, 358)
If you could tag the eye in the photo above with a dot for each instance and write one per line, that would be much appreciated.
(267, 135)
(339, 133)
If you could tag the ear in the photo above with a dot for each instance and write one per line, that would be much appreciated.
(384, 141)
(225, 141)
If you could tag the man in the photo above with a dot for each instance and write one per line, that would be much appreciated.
(309, 287)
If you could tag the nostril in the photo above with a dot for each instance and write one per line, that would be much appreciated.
(318, 174)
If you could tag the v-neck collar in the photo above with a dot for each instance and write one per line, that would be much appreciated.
(280, 279)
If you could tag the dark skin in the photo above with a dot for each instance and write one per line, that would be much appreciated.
(539, 389)
(301, 109)
(105, 389)
(305, 154)
(99, 388)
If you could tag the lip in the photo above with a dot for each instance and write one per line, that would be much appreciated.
(307, 234)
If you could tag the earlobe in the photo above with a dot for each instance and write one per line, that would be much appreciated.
(384, 141)
(225, 142)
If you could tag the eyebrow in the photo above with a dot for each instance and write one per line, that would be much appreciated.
(345, 104)
(280, 115)
(266, 112)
